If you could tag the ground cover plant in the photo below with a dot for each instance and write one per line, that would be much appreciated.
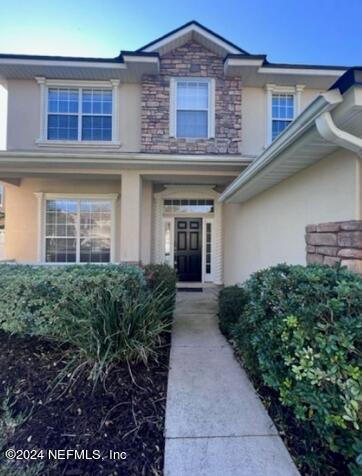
(299, 336)
(84, 364)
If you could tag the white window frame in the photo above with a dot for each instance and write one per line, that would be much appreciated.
(211, 106)
(169, 221)
(42, 199)
(295, 91)
(46, 84)
(208, 277)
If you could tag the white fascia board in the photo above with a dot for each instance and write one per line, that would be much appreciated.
(238, 64)
(243, 62)
(27, 157)
(140, 59)
(323, 103)
(190, 29)
(302, 71)
(68, 64)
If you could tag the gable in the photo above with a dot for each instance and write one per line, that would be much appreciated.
(193, 31)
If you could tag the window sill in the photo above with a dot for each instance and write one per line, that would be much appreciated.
(78, 144)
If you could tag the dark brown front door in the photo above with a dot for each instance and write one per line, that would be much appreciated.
(188, 248)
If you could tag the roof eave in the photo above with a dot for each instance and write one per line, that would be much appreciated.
(300, 126)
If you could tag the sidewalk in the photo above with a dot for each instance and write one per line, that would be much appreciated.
(215, 423)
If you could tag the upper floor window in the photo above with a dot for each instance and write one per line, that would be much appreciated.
(192, 108)
(283, 105)
(282, 112)
(79, 114)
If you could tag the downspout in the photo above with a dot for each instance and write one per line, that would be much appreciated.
(330, 132)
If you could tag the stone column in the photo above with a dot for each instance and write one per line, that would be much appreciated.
(131, 195)
(335, 243)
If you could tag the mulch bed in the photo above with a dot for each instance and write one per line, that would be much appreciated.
(125, 414)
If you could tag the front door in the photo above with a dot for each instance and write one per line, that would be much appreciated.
(188, 248)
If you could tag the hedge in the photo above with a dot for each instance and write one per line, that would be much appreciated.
(300, 333)
(106, 313)
(231, 302)
(32, 298)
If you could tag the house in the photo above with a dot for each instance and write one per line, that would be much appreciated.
(189, 151)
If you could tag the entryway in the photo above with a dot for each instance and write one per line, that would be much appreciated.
(188, 249)
(188, 232)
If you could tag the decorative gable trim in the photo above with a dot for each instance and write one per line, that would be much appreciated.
(187, 32)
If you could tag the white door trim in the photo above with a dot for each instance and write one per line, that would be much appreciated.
(161, 218)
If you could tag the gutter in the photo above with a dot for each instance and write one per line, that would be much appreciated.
(331, 133)
(324, 103)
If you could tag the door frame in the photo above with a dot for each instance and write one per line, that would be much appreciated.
(170, 220)
(161, 218)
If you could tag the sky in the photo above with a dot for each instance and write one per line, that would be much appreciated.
(288, 31)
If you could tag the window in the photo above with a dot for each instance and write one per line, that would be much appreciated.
(208, 248)
(167, 238)
(189, 206)
(97, 114)
(192, 108)
(283, 106)
(79, 114)
(282, 112)
(78, 231)
(1, 196)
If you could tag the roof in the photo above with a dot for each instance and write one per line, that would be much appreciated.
(351, 78)
(267, 64)
(117, 59)
(255, 69)
(301, 144)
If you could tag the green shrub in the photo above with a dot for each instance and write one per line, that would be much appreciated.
(162, 280)
(232, 300)
(301, 334)
(119, 326)
(32, 298)
(106, 313)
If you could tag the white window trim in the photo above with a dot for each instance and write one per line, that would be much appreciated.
(45, 84)
(211, 107)
(180, 192)
(43, 197)
(271, 89)
(171, 221)
(207, 277)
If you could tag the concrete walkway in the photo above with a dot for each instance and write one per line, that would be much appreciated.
(215, 423)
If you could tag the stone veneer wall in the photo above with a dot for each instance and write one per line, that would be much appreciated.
(335, 242)
(190, 60)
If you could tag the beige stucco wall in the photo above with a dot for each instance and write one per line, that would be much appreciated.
(21, 219)
(254, 117)
(24, 115)
(269, 228)
(3, 113)
(22, 214)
